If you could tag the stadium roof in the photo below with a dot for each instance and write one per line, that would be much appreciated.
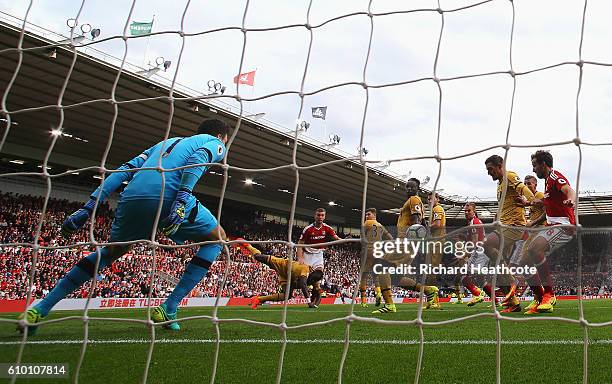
(88, 117)
(143, 110)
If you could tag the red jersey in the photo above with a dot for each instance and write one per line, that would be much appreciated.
(479, 230)
(556, 211)
(314, 235)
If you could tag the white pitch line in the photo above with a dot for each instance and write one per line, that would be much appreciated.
(315, 341)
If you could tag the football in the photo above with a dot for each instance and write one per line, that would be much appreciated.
(416, 231)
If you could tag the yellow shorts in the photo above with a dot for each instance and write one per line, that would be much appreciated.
(510, 237)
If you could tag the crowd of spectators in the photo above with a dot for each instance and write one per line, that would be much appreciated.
(130, 276)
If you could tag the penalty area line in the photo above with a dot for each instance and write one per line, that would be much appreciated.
(314, 341)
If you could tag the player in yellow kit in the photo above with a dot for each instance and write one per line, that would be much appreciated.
(437, 225)
(511, 214)
(411, 213)
(299, 277)
(374, 231)
(537, 218)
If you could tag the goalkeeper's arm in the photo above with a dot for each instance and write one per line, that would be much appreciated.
(114, 180)
(77, 220)
(189, 179)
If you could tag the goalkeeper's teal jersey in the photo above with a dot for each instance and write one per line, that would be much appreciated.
(175, 152)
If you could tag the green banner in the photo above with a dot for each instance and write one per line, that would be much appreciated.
(137, 29)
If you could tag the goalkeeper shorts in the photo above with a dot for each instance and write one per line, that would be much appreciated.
(134, 221)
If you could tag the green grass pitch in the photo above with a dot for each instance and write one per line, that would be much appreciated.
(460, 352)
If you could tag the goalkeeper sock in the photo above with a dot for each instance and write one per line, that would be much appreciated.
(194, 273)
(79, 274)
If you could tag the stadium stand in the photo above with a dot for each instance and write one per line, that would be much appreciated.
(130, 275)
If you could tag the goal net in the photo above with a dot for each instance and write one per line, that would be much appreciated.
(365, 84)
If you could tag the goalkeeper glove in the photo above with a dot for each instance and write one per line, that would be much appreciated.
(177, 213)
(78, 219)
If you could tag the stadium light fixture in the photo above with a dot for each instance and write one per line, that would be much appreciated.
(362, 151)
(51, 53)
(248, 181)
(332, 203)
(160, 63)
(48, 167)
(2, 119)
(17, 161)
(95, 33)
(97, 177)
(72, 172)
(56, 132)
(215, 88)
(85, 29)
(194, 107)
(384, 165)
(255, 116)
(333, 141)
(426, 180)
(302, 126)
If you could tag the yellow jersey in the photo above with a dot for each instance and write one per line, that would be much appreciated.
(438, 213)
(511, 212)
(280, 265)
(374, 231)
(537, 211)
(412, 206)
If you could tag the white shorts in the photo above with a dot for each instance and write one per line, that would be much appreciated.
(314, 259)
(517, 252)
(555, 236)
(477, 259)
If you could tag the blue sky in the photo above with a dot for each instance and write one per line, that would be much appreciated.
(402, 120)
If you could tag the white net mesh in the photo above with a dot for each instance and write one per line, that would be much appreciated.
(282, 326)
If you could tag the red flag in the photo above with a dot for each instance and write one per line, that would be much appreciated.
(247, 78)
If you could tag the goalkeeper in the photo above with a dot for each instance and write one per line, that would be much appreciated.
(183, 217)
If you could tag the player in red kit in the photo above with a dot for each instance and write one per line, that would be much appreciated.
(475, 235)
(558, 203)
(316, 233)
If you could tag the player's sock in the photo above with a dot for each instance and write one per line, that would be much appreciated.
(194, 273)
(386, 294)
(488, 288)
(545, 275)
(535, 284)
(469, 284)
(458, 293)
(362, 294)
(79, 274)
(362, 289)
